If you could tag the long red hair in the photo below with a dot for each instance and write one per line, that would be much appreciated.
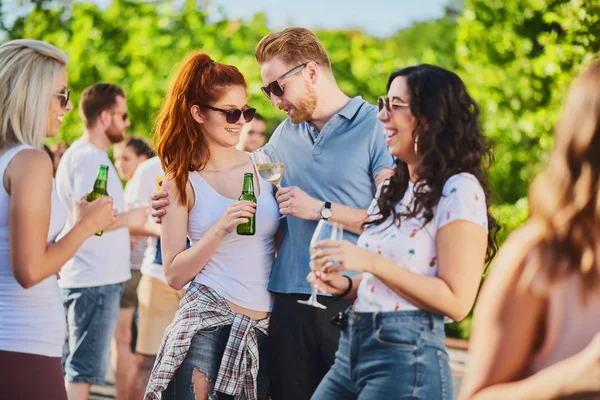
(178, 138)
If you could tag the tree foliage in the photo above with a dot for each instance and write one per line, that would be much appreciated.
(518, 58)
(138, 45)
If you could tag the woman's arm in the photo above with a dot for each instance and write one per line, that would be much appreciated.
(181, 265)
(32, 258)
(461, 248)
(506, 328)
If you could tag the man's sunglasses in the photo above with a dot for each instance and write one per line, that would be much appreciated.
(275, 88)
(63, 97)
(124, 115)
(384, 101)
(233, 116)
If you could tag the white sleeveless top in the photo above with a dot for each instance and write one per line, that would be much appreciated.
(31, 320)
(240, 268)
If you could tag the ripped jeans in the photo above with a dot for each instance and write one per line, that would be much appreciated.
(205, 353)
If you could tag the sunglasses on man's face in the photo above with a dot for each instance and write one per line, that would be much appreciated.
(384, 101)
(63, 97)
(124, 115)
(233, 116)
(275, 88)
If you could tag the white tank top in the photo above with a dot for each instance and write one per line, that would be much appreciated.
(240, 268)
(31, 320)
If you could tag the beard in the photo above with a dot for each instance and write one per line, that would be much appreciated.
(114, 134)
(305, 107)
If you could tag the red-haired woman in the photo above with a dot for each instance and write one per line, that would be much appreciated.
(217, 337)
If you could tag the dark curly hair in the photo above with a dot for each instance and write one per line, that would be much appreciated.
(449, 142)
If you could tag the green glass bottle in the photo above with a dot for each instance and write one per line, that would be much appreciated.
(99, 187)
(249, 228)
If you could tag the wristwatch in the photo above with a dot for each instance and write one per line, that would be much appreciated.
(326, 211)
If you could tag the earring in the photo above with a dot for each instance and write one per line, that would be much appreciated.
(416, 148)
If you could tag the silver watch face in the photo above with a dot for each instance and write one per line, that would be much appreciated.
(326, 213)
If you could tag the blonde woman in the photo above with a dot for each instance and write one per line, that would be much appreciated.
(537, 325)
(34, 98)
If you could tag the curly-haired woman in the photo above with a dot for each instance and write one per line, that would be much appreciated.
(537, 326)
(423, 251)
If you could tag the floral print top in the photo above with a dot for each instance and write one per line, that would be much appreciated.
(412, 245)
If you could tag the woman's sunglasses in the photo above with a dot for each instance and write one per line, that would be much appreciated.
(63, 97)
(384, 101)
(275, 88)
(233, 116)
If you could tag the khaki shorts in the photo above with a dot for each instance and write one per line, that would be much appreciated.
(157, 305)
(129, 296)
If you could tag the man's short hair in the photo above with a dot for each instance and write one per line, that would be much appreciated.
(98, 98)
(293, 46)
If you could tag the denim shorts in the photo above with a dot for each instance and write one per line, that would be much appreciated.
(205, 354)
(92, 314)
(389, 355)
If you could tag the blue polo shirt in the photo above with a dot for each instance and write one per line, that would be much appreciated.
(338, 164)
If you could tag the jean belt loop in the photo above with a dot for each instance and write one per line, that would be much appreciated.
(375, 318)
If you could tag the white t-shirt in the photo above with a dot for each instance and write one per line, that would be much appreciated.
(141, 187)
(139, 247)
(101, 260)
(412, 246)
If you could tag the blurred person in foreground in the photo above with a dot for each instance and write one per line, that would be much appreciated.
(128, 155)
(536, 332)
(34, 96)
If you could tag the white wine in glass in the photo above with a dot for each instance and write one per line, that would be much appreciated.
(325, 230)
(268, 169)
(271, 172)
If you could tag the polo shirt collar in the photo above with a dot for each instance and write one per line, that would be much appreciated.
(350, 110)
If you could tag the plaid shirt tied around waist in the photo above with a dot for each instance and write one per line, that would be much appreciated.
(202, 308)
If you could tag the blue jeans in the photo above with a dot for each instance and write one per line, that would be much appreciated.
(389, 355)
(92, 314)
(205, 355)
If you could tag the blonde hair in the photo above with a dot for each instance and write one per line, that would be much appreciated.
(28, 69)
(565, 198)
(293, 46)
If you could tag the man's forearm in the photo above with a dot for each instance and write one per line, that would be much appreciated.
(351, 218)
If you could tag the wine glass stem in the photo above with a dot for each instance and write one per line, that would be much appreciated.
(313, 296)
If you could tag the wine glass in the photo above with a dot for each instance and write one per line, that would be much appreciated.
(325, 230)
(269, 170)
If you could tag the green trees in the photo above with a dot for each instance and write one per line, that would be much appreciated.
(518, 58)
(138, 44)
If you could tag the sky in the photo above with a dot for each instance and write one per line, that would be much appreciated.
(379, 18)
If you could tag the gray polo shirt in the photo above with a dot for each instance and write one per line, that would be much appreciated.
(338, 164)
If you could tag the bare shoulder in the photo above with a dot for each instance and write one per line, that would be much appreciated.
(503, 288)
(169, 185)
(29, 165)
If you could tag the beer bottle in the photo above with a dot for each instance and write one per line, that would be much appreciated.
(248, 228)
(99, 187)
